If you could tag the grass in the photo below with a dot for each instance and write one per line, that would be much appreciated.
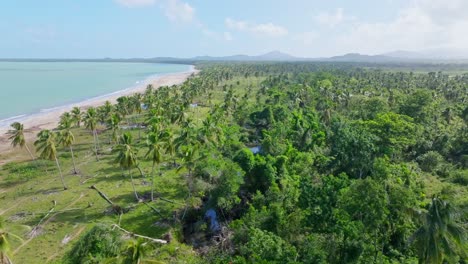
(27, 193)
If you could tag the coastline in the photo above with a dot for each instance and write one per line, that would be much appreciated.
(48, 118)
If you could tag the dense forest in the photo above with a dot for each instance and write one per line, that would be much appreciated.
(283, 163)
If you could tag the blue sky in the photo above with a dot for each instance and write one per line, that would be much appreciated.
(184, 28)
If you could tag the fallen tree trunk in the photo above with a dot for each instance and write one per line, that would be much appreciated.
(35, 229)
(155, 240)
(103, 195)
(154, 209)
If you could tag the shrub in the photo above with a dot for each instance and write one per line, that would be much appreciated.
(430, 161)
(99, 243)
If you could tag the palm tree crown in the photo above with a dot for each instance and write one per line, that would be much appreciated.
(46, 145)
(439, 237)
(16, 135)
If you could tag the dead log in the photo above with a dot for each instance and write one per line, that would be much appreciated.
(103, 195)
(155, 240)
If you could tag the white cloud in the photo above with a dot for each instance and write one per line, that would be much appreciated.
(331, 19)
(174, 10)
(422, 25)
(267, 29)
(228, 36)
(178, 11)
(136, 3)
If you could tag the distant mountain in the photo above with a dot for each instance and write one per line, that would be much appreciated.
(440, 54)
(356, 57)
(399, 56)
(277, 56)
(404, 54)
(270, 56)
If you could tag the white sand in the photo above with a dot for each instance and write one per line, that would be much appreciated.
(49, 120)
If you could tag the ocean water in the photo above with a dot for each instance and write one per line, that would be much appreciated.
(32, 87)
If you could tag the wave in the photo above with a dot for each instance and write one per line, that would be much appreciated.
(7, 121)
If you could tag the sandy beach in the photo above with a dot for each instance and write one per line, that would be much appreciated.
(49, 120)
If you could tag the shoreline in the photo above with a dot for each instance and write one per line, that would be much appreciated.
(49, 118)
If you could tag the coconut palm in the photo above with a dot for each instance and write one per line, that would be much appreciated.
(169, 140)
(90, 120)
(126, 156)
(67, 139)
(439, 237)
(113, 124)
(136, 250)
(16, 135)
(189, 155)
(46, 145)
(104, 112)
(155, 152)
(76, 116)
(66, 120)
(5, 236)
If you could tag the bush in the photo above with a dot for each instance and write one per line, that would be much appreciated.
(264, 246)
(460, 177)
(430, 161)
(99, 243)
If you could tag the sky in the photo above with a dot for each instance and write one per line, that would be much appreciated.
(186, 28)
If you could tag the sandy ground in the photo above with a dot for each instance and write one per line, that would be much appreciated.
(49, 120)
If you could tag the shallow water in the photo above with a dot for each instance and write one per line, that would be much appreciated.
(31, 87)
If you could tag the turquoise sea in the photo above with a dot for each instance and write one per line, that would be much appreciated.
(32, 87)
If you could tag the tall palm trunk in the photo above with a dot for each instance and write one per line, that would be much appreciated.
(29, 151)
(73, 160)
(60, 171)
(95, 145)
(152, 182)
(141, 172)
(97, 139)
(133, 185)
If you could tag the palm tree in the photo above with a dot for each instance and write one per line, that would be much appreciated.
(189, 157)
(90, 120)
(46, 144)
(113, 124)
(17, 137)
(170, 145)
(126, 156)
(155, 149)
(136, 251)
(67, 139)
(439, 236)
(76, 116)
(5, 236)
(104, 112)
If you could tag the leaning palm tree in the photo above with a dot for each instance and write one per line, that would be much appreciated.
(155, 152)
(439, 237)
(76, 116)
(90, 120)
(46, 145)
(67, 139)
(5, 236)
(17, 137)
(126, 156)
